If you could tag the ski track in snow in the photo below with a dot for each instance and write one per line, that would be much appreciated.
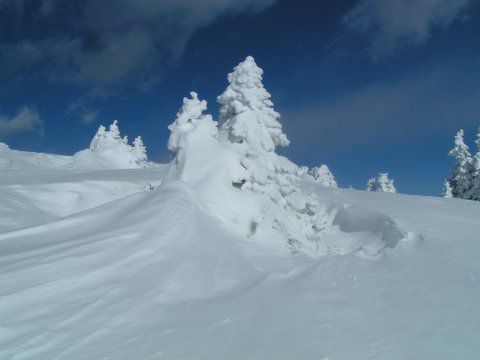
(137, 274)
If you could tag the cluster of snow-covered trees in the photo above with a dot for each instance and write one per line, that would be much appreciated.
(464, 182)
(109, 149)
(234, 165)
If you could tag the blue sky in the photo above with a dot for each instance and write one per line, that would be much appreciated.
(362, 85)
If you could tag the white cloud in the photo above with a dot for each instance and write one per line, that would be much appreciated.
(423, 105)
(104, 44)
(390, 24)
(86, 114)
(26, 120)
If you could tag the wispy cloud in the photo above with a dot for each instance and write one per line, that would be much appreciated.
(423, 105)
(87, 114)
(26, 120)
(103, 44)
(389, 25)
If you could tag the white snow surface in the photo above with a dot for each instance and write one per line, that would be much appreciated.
(94, 264)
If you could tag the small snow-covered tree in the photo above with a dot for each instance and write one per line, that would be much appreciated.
(372, 184)
(190, 121)
(323, 175)
(385, 183)
(382, 183)
(461, 178)
(114, 130)
(447, 190)
(140, 152)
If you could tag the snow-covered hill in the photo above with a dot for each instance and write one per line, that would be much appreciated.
(94, 264)
(230, 251)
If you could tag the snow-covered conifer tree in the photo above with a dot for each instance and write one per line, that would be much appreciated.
(372, 184)
(190, 121)
(382, 183)
(247, 113)
(140, 152)
(385, 184)
(323, 175)
(474, 192)
(114, 130)
(461, 178)
(447, 190)
(250, 123)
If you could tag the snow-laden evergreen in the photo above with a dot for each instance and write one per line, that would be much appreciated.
(250, 123)
(382, 183)
(461, 178)
(109, 150)
(323, 175)
(190, 121)
(247, 112)
(140, 152)
(473, 193)
(447, 190)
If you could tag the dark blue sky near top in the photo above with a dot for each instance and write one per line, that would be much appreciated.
(362, 85)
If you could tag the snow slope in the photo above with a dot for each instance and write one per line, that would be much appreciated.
(94, 264)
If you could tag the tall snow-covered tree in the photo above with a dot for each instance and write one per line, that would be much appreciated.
(474, 192)
(323, 175)
(247, 112)
(251, 125)
(250, 122)
(461, 178)
(382, 183)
